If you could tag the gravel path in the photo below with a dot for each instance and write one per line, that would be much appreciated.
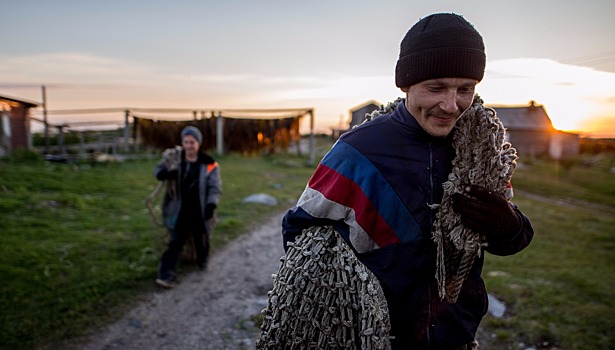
(209, 310)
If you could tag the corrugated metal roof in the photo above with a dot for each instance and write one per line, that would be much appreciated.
(532, 117)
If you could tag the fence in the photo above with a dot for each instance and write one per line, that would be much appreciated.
(226, 130)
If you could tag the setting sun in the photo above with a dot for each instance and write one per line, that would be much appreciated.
(577, 99)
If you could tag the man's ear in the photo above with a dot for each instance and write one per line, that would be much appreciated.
(404, 88)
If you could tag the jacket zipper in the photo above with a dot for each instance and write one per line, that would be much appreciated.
(429, 321)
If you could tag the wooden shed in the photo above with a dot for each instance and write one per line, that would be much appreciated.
(357, 114)
(15, 124)
(530, 131)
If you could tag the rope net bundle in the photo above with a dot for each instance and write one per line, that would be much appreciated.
(172, 159)
(324, 298)
(482, 157)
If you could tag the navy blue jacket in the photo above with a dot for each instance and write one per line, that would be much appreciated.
(375, 186)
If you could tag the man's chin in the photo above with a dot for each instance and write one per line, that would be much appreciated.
(439, 132)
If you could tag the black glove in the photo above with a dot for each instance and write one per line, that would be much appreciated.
(209, 210)
(487, 213)
(165, 174)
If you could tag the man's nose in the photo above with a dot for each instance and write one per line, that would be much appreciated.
(449, 102)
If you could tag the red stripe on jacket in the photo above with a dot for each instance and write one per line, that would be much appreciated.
(344, 191)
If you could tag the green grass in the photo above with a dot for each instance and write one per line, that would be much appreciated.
(78, 246)
(587, 178)
(560, 290)
(77, 242)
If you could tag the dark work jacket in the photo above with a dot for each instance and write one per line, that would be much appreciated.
(209, 186)
(375, 186)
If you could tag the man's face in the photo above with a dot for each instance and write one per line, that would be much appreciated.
(437, 104)
(191, 145)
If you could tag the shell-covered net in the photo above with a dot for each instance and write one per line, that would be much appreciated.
(324, 298)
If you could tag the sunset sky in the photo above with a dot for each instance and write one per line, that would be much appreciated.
(327, 54)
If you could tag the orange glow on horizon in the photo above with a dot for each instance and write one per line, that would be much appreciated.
(576, 99)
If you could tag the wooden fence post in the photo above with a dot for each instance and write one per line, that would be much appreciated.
(312, 155)
(99, 143)
(219, 135)
(126, 130)
(81, 145)
(61, 147)
(45, 122)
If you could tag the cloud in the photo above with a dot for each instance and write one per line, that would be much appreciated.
(75, 68)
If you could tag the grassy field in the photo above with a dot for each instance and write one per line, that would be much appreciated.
(560, 290)
(77, 243)
(77, 246)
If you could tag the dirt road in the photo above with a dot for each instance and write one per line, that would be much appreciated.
(209, 310)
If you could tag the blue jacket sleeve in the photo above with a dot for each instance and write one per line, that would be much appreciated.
(296, 220)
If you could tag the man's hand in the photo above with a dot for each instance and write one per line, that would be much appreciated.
(165, 174)
(486, 213)
(172, 157)
(209, 210)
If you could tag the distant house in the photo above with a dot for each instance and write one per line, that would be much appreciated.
(357, 116)
(14, 124)
(530, 131)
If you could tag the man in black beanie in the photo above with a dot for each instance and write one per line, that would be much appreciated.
(381, 187)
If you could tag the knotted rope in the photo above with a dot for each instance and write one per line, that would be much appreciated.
(324, 298)
(484, 158)
(172, 159)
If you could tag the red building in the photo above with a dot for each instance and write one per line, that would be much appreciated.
(15, 124)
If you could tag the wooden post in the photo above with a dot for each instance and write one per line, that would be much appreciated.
(5, 141)
(46, 130)
(312, 155)
(99, 143)
(126, 130)
(137, 135)
(219, 135)
(81, 145)
(61, 147)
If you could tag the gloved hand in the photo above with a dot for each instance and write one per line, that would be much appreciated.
(165, 174)
(487, 213)
(209, 210)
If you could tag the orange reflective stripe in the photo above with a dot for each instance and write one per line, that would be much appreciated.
(211, 167)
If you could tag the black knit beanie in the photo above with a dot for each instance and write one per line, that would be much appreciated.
(441, 45)
(195, 132)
